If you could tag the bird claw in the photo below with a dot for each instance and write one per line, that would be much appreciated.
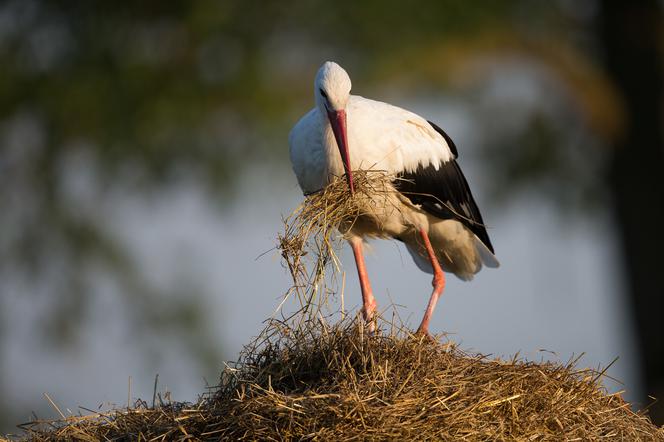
(424, 333)
(370, 321)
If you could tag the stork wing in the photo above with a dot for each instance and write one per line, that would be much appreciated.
(444, 193)
(448, 140)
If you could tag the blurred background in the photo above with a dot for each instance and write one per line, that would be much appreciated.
(144, 173)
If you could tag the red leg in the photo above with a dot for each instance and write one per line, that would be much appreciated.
(438, 283)
(367, 294)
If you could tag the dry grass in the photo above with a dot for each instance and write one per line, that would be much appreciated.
(312, 229)
(303, 378)
(338, 382)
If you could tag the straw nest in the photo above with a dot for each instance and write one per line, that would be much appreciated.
(305, 378)
(338, 382)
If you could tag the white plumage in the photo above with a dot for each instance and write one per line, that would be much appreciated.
(367, 134)
(381, 137)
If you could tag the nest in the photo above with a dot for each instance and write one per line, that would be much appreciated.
(340, 383)
(304, 378)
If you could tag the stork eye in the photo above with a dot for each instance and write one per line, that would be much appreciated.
(322, 92)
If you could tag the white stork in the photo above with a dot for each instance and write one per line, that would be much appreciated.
(437, 219)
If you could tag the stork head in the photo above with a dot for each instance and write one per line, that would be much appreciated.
(332, 91)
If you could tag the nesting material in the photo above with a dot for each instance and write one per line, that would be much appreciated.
(313, 228)
(341, 383)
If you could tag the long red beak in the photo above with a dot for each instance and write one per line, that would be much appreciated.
(338, 122)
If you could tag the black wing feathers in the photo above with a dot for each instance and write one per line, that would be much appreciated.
(444, 193)
(450, 143)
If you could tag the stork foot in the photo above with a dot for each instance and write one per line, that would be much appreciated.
(369, 312)
(369, 308)
(425, 334)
